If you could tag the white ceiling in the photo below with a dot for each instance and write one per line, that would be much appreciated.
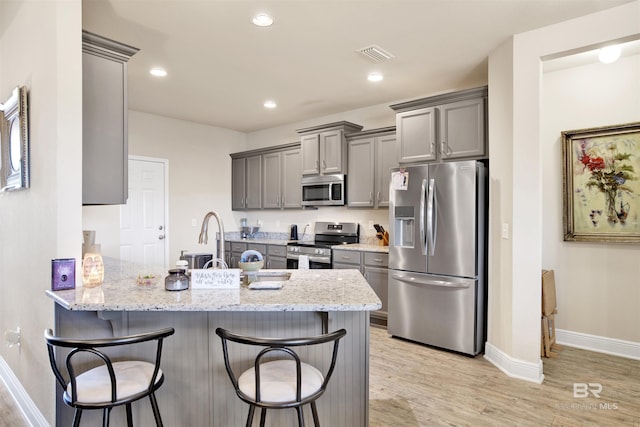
(222, 67)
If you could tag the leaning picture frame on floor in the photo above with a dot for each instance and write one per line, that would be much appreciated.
(601, 180)
(14, 142)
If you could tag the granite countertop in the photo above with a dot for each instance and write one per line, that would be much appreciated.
(363, 247)
(306, 290)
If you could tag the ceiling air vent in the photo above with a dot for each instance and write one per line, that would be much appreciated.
(375, 53)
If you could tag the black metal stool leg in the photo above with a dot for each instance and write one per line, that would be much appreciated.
(314, 410)
(156, 411)
(129, 416)
(263, 416)
(300, 417)
(76, 417)
(250, 416)
(105, 417)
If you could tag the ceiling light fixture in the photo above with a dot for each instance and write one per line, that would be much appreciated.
(158, 72)
(262, 20)
(609, 54)
(375, 77)
(270, 104)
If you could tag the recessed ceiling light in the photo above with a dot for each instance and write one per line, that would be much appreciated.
(270, 104)
(609, 54)
(262, 20)
(375, 77)
(158, 72)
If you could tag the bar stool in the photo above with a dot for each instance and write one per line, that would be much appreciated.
(111, 383)
(283, 383)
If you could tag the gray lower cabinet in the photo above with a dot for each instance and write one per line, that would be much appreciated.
(237, 249)
(276, 256)
(373, 266)
(372, 154)
(443, 127)
(105, 108)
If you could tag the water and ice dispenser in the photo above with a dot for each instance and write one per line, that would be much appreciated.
(404, 226)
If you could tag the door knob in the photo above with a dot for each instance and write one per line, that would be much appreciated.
(160, 237)
(160, 227)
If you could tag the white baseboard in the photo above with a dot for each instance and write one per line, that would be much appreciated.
(513, 367)
(616, 347)
(30, 411)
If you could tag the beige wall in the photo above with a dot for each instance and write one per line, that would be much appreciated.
(517, 330)
(597, 284)
(40, 48)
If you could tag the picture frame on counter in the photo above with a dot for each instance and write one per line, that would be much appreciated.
(14, 142)
(601, 181)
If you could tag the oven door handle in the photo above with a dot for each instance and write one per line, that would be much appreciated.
(322, 260)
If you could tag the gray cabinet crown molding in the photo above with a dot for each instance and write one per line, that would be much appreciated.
(266, 150)
(371, 132)
(106, 48)
(444, 98)
(343, 125)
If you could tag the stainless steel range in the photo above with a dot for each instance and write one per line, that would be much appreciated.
(327, 234)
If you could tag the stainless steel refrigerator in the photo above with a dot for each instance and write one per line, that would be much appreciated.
(437, 263)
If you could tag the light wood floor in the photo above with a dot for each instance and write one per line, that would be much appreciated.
(414, 385)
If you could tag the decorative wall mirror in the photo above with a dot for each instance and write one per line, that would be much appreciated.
(14, 142)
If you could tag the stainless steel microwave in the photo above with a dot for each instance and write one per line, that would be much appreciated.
(323, 190)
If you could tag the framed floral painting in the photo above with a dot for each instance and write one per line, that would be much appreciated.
(602, 183)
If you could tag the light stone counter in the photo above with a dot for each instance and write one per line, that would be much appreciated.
(363, 247)
(306, 290)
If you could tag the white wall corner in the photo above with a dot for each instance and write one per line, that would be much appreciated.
(514, 368)
(30, 411)
(615, 347)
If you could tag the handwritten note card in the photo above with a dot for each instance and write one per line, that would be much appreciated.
(215, 279)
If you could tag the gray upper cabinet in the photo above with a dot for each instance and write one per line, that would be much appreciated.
(371, 156)
(324, 148)
(266, 178)
(291, 175)
(238, 183)
(272, 180)
(254, 179)
(246, 182)
(281, 179)
(104, 120)
(462, 129)
(417, 135)
(443, 127)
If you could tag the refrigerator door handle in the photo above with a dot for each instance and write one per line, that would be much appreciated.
(440, 283)
(431, 217)
(423, 234)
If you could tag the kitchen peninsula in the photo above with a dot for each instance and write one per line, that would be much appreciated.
(197, 391)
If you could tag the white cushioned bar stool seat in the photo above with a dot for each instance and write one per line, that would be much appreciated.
(278, 381)
(286, 382)
(111, 383)
(132, 377)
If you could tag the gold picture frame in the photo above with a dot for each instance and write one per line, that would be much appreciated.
(14, 142)
(601, 180)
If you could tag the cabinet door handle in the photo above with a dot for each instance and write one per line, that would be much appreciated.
(377, 260)
(378, 197)
(318, 165)
(324, 165)
(370, 197)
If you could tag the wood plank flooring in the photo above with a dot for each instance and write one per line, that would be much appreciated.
(414, 385)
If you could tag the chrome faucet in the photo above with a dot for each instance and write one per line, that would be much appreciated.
(204, 232)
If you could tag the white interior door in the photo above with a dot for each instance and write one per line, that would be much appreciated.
(143, 233)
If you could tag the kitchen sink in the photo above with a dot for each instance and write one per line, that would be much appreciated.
(272, 276)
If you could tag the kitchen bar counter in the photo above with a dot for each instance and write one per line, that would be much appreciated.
(306, 290)
(197, 390)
